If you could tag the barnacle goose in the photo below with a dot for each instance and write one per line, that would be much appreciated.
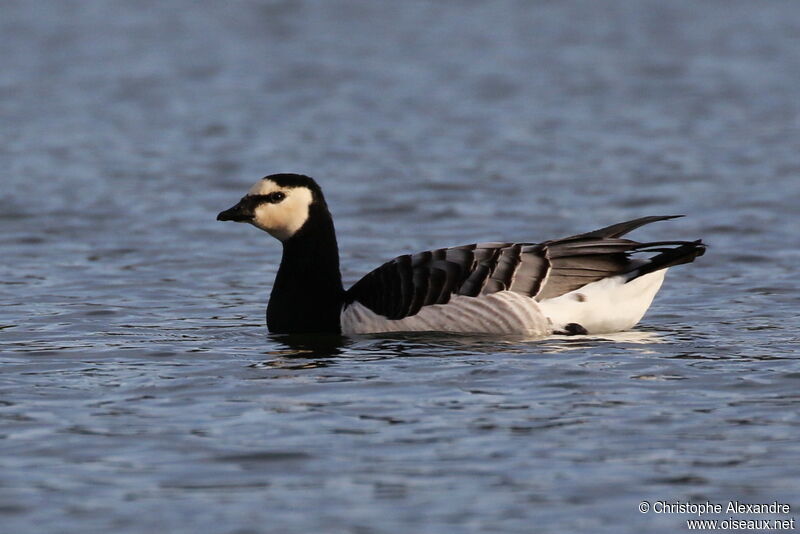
(589, 283)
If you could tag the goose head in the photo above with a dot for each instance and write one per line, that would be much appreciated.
(279, 204)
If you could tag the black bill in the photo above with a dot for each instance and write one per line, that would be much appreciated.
(241, 212)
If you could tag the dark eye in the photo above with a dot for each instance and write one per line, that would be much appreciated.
(276, 197)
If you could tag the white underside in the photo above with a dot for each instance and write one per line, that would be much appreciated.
(498, 313)
(608, 305)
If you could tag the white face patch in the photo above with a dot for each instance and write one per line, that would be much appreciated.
(283, 219)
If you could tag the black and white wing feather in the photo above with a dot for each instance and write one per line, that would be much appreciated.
(403, 286)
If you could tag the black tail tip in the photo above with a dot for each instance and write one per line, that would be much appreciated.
(700, 247)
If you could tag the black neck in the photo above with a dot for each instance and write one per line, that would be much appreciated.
(308, 293)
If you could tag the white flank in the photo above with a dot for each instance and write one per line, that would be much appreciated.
(608, 305)
(283, 219)
(504, 312)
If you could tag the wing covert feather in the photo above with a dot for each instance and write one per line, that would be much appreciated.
(403, 286)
